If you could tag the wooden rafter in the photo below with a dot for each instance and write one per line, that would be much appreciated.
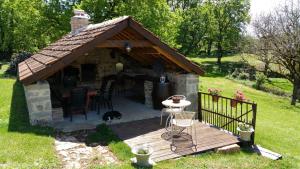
(122, 43)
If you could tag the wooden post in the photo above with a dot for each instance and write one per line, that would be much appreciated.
(254, 110)
(199, 107)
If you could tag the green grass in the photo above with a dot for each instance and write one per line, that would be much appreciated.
(281, 84)
(22, 145)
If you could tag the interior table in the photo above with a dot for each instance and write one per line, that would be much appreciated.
(66, 94)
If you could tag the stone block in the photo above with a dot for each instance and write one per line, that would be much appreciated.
(39, 103)
(228, 149)
(57, 114)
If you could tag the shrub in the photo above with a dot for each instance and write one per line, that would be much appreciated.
(244, 76)
(260, 80)
(15, 60)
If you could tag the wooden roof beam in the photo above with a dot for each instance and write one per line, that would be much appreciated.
(122, 43)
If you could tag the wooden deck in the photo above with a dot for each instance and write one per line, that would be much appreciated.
(150, 132)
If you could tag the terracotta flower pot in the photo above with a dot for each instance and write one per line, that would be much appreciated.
(215, 98)
(233, 103)
(176, 99)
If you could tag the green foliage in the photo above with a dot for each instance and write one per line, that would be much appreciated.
(15, 60)
(194, 30)
(29, 25)
(244, 127)
(100, 10)
(155, 16)
(260, 80)
(243, 76)
(214, 24)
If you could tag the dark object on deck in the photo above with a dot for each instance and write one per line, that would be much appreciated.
(161, 92)
(110, 115)
(78, 102)
(266, 153)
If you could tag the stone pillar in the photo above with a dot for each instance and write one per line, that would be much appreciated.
(148, 88)
(39, 103)
(186, 84)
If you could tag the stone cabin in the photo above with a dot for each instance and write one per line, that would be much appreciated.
(97, 50)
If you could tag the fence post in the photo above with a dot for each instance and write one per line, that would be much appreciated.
(199, 107)
(254, 110)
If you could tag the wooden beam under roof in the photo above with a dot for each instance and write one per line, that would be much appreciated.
(122, 43)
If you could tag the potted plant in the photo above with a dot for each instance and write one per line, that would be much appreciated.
(245, 131)
(238, 96)
(142, 154)
(215, 94)
(176, 99)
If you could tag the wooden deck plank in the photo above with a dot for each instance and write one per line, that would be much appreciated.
(150, 132)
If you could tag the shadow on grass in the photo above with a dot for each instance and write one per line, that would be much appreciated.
(19, 118)
(214, 70)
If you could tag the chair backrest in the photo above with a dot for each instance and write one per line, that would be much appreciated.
(182, 97)
(78, 97)
(105, 82)
(111, 89)
(187, 116)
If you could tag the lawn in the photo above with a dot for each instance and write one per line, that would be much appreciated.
(21, 145)
(24, 146)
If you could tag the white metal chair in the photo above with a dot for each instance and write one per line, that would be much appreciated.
(171, 110)
(184, 120)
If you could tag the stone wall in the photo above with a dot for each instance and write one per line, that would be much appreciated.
(39, 103)
(186, 84)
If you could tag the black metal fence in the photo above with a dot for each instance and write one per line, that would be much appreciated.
(226, 113)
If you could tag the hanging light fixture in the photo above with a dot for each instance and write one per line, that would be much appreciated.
(127, 47)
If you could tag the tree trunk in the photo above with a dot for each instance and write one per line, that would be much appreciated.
(266, 69)
(296, 87)
(220, 53)
(209, 44)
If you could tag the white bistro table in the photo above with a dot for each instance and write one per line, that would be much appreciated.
(181, 104)
(174, 108)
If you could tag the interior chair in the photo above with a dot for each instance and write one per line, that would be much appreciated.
(78, 102)
(171, 110)
(104, 98)
(181, 122)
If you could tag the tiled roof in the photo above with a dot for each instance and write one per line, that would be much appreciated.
(62, 52)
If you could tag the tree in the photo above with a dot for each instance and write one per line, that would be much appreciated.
(6, 30)
(262, 50)
(101, 10)
(155, 16)
(282, 28)
(194, 30)
(231, 17)
(183, 4)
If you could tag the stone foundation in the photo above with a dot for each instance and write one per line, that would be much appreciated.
(57, 114)
(39, 103)
(148, 88)
(186, 84)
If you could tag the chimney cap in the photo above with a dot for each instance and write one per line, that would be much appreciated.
(79, 13)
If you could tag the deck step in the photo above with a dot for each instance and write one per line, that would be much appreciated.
(266, 153)
(233, 148)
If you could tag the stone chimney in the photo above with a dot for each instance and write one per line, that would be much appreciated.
(79, 20)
